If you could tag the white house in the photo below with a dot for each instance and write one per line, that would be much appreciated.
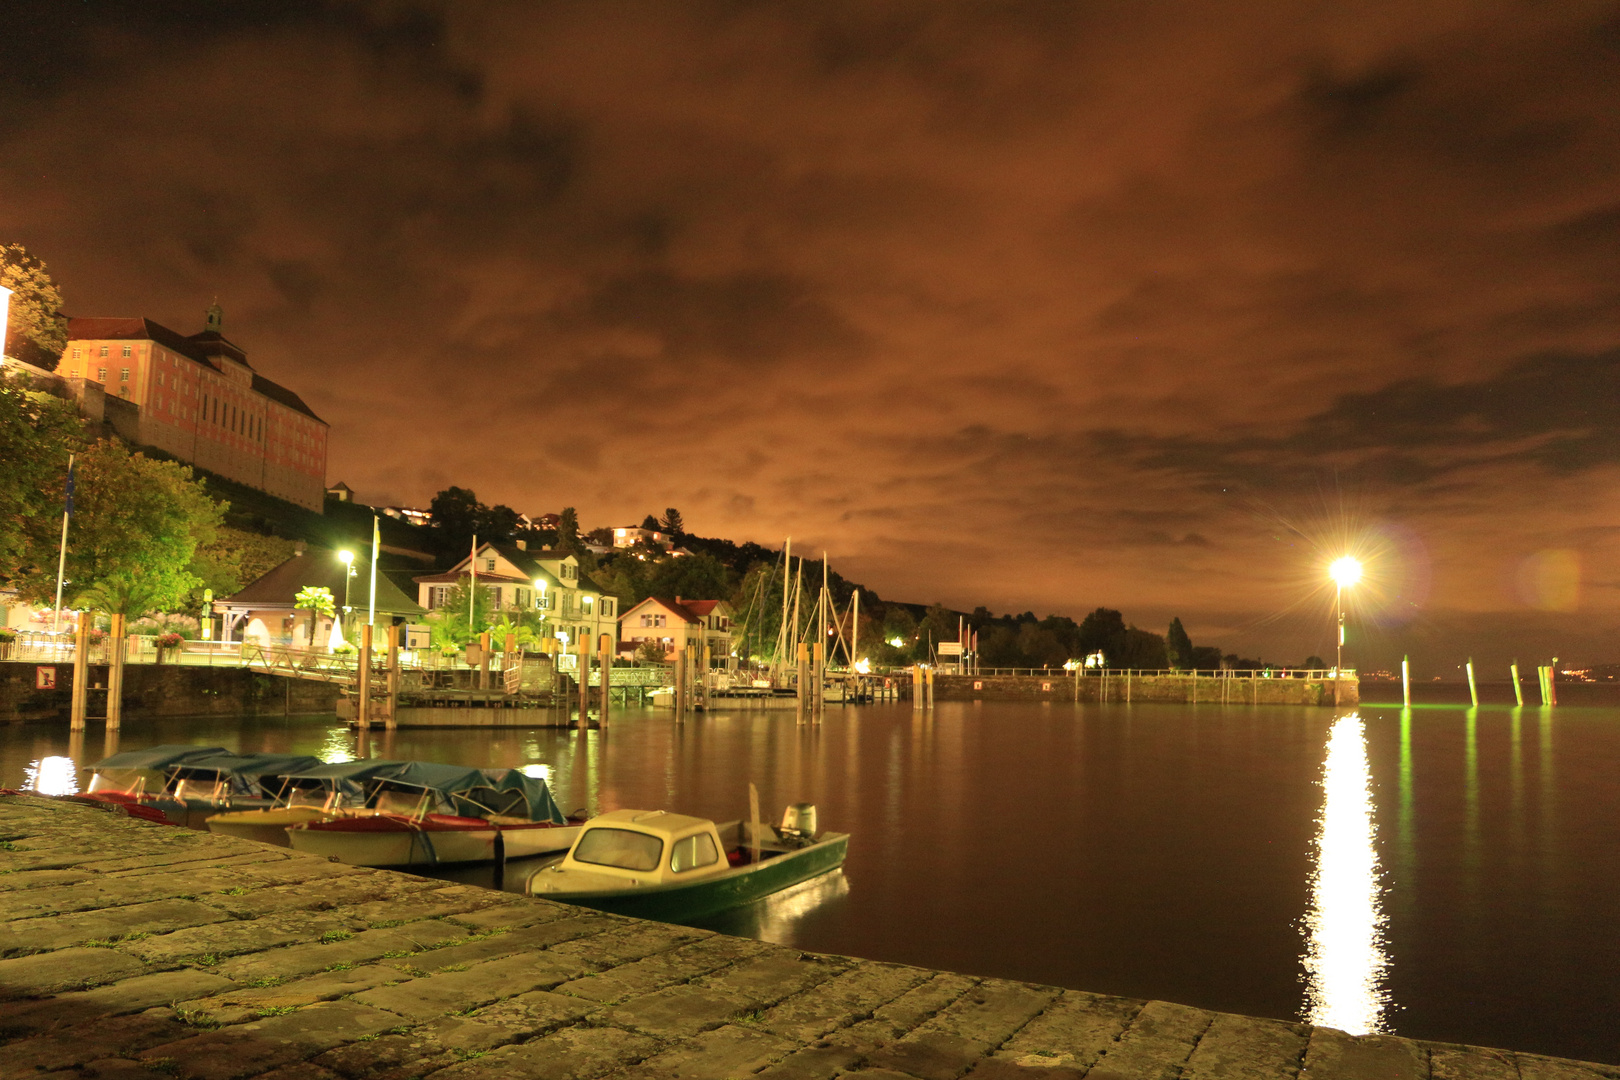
(573, 606)
(680, 622)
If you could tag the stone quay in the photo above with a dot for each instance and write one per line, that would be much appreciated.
(133, 950)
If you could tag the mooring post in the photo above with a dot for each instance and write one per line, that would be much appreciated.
(1518, 691)
(916, 687)
(818, 681)
(584, 682)
(1406, 682)
(604, 663)
(928, 687)
(115, 672)
(801, 695)
(362, 679)
(1473, 691)
(393, 675)
(81, 673)
(483, 661)
(678, 701)
(1552, 682)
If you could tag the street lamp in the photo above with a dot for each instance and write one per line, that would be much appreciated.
(347, 559)
(1345, 572)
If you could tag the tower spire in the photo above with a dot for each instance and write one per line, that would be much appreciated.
(215, 319)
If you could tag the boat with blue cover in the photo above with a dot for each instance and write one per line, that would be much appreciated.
(316, 792)
(427, 814)
(187, 784)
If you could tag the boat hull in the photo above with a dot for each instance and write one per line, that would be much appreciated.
(265, 826)
(710, 896)
(389, 840)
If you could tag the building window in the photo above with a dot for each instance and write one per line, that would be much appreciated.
(607, 607)
(123, 376)
(652, 620)
(437, 595)
(127, 353)
(101, 375)
(104, 350)
(584, 608)
(76, 352)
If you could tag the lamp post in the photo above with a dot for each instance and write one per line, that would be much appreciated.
(1345, 572)
(347, 559)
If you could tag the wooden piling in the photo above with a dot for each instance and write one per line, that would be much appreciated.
(584, 650)
(928, 688)
(1406, 682)
(394, 633)
(81, 673)
(916, 687)
(818, 681)
(802, 695)
(483, 661)
(362, 679)
(679, 701)
(1473, 690)
(604, 663)
(115, 672)
(1518, 691)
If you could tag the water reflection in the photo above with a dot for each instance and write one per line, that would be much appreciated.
(51, 776)
(338, 747)
(1345, 961)
(777, 917)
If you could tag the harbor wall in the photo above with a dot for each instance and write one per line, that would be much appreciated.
(1149, 688)
(157, 690)
(141, 950)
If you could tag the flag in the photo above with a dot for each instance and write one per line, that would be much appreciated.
(67, 507)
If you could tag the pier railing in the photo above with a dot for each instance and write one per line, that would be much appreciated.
(1316, 674)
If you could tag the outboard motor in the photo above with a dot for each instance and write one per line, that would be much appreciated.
(799, 823)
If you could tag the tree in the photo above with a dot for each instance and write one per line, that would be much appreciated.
(36, 331)
(568, 532)
(37, 433)
(1103, 631)
(237, 558)
(318, 601)
(1178, 646)
(137, 524)
(652, 651)
(652, 524)
(451, 617)
(673, 523)
(1141, 649)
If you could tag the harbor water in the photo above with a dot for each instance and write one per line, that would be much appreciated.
(1439, 872)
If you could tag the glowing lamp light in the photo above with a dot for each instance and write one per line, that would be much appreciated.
(897, 642)
(864, 666)
(1345, 572)
(346, 557)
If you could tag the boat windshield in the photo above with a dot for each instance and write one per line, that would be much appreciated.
(619, 847)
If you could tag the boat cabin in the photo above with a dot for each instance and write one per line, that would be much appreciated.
(627, 848)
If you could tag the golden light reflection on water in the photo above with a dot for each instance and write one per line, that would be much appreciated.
(1345, 960)
(51, 776)
(339, 746)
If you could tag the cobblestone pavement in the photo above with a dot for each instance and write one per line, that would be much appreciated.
(138, 951)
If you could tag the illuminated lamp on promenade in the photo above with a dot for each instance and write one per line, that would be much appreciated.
(1344, 572)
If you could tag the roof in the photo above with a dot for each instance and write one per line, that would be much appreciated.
(693, 611)
(657, 822)
(197, 347)
(157, 757)
(317, 567)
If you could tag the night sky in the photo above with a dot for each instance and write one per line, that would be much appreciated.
(1047, 306)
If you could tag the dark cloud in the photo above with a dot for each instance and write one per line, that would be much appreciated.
(1038, 306)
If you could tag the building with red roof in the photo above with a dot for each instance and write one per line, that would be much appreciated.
(197, 399)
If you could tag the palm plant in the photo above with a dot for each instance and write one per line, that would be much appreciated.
(317, 600)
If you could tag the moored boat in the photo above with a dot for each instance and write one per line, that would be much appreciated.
(674, 868)
(138, 779)
(426, 814)
(316, 793)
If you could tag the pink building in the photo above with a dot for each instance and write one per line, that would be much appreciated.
(198, 399)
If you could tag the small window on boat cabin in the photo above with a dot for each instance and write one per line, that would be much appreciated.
(620, 848)
(694, 852)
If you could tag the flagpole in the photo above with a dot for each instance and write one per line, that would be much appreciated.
(376, 543)
(472, 563)
(61, 558)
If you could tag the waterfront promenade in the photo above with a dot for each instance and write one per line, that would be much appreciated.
(134, 950)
